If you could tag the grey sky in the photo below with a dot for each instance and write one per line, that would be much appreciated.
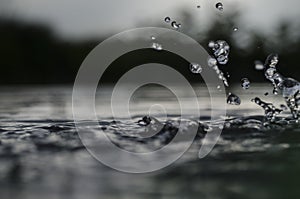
(83, 18)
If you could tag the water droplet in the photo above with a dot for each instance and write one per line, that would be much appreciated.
(235, 29)
(270, 72)
(195, 68)
(259, 65)
(167, 19)
(175, 25)
(211, 44)
(153, 38)
(272, 60)
(245, 83)
(233, 99)
(266, 94)
(221, 51)
(157, 46)
(198, 6)
(222, 59)
(219, 6)
(218, 87)
(212, 62)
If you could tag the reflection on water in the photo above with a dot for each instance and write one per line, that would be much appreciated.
(42, 156)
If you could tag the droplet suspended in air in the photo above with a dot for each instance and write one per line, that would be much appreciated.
(157, 46)
(258, 65)
(211, 44)
(233, 99)
(235, 29)
(272, 60)
(212, 62)
(153, 38)
(175, 25)
(270, 72)
(219, 6)
(167, 19)
(221, 51)
(245, 83)
(198, 6)
(195, 68)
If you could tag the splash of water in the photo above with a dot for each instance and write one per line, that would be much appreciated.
(212, 62)
(271, 72)
(221, 51)
(289, 87)
(270, 110)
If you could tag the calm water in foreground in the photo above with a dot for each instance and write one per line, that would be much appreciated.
(41, 155)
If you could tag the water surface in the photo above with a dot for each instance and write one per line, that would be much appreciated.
(41, 155)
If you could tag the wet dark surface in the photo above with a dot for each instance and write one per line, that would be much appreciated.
(41, 155)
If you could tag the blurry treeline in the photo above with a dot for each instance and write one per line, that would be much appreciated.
(33, 54)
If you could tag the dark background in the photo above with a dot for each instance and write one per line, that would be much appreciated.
(33, 53)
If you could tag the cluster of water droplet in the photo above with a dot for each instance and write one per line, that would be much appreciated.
(212, 62)
(272, 74)
(289, 87)
(174, 24)
(270, 110)
(221, 51)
